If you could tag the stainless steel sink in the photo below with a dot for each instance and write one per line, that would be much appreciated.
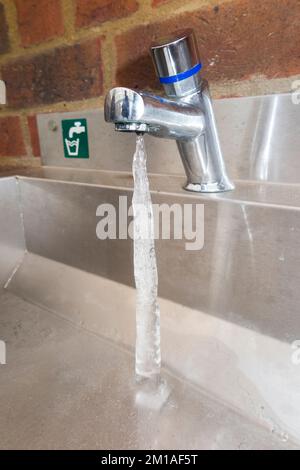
(230, 314)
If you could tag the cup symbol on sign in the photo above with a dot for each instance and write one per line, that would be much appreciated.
(73, 145)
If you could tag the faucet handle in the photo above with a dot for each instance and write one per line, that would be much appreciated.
(177, 63)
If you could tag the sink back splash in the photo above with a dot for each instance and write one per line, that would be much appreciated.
(259, 135)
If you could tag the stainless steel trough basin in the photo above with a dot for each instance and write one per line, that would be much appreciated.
(230, 319)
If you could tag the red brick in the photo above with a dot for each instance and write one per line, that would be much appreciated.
(99, 11)
(64, 74)
(34, 136)
(39, 20)
(236, 40)
(4, 41)
(11, 141)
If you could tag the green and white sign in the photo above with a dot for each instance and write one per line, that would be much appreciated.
(75, 138)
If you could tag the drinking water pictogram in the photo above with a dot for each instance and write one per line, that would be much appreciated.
(75, 138)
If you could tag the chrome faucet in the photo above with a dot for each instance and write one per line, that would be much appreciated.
(186, 115)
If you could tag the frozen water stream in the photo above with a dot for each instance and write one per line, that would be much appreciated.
(148, 356)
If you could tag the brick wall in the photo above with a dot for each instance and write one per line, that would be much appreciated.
(63, 55)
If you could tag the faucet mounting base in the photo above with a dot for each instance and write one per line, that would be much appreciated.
(217, 187)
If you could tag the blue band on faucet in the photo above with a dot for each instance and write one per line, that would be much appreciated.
(181, 76)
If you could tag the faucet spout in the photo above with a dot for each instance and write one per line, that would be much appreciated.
(137, 111)
(186, 115)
